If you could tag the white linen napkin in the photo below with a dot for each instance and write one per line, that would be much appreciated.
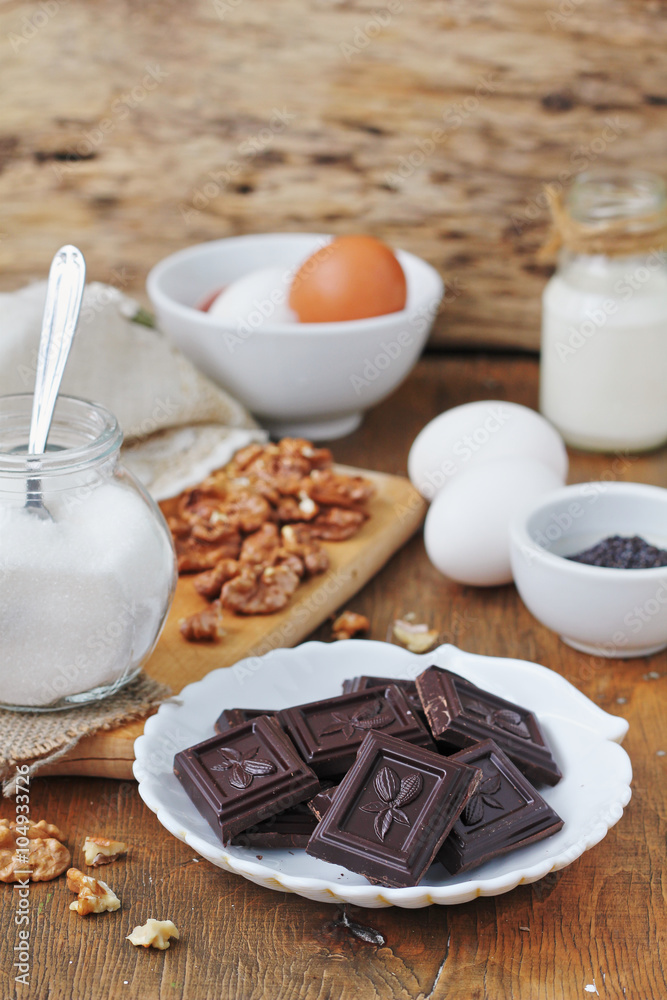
(178, 425)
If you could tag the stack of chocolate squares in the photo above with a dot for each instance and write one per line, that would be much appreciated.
(384, 779)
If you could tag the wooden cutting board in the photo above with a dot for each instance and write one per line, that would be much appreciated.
(396, 512)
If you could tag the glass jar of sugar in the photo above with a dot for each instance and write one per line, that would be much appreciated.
(84, 592)
(603, 372)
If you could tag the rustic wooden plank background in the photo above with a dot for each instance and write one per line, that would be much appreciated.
(137, 127)
(600, 921)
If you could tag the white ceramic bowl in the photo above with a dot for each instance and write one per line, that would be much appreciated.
(606, 612)
(310, 379)
(590, 797)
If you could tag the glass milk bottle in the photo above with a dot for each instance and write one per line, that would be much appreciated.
(603, 375)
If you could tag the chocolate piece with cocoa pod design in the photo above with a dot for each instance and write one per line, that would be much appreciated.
(232, 717)
(243, 766)
(409, 688)
(328, 733)
(243, 776)
(393, 792)
(393, 810)
(460, 714)
(505, 812)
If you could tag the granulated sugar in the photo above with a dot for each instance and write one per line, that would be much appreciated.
(82, 596)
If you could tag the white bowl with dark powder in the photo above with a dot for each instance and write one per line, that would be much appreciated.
(602, 610)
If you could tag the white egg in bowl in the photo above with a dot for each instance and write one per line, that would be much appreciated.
(309, 379)
(260, 296)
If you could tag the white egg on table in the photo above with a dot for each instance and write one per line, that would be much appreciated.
(467, 526)
(255, 300)
(475, 433)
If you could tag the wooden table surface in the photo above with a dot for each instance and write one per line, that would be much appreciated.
(599, 922)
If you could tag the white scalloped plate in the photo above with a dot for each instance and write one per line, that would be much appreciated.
(590, 797)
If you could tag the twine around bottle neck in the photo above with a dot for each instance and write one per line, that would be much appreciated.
(625, 237)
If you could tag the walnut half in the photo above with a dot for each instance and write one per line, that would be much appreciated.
(44, 859)
(93, 895)
(257, 591)
(154, 934)
(100, 851)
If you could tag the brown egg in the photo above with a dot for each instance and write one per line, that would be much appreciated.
(353, 277)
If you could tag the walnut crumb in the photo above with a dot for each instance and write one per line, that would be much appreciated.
(204, 626)
(418, 638)
(349, 624)
(93, 895)
(100, 851)
(154, 934)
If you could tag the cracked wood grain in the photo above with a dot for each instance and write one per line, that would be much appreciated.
(435, 131)
(441, 967)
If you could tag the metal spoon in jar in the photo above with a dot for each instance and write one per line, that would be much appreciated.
(61, 313)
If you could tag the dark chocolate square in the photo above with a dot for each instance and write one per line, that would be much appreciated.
(320, 803)
(460, 714)
(291, 828)
(232, 717)
(239, 778)
(408, 687)
(504, 813)
(393, 810)
(328, 733)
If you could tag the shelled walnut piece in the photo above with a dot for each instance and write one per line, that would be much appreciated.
(37, 831)
(258, 591)
(252, 530)
(44, 859)
(205, 626)
(100, 851)
(93, 895)
(416, 637)
(349, 624)
(154, 934)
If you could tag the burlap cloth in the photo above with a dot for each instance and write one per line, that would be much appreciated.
(40, 738)
(178, 427)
